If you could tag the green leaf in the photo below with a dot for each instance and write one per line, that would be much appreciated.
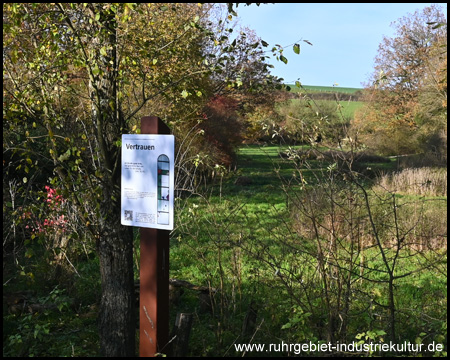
(95, 71)
(438, 26)
(184, 94)
(64, 156)
(297, 48)
(29, 253)
(283, 59)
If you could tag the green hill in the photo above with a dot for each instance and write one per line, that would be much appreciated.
(324, 89)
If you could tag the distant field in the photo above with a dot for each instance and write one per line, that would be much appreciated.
(347, 108)
(313, 88)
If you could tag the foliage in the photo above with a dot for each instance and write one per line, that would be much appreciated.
(305, 121)
(406, 99)
(78, 76)
(222, 129)
(239, 76)
(72, 91)
(249, 243)
(296, 248)
(47, 323)
(301, 116)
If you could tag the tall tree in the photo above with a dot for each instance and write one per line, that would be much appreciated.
(59, 57)
(402, 70)
(77, 76)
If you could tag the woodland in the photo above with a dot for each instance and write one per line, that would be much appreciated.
(303, 215)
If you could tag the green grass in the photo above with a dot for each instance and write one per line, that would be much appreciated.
(233, 237)
(334, 89)
(346, 108)
(238, 239)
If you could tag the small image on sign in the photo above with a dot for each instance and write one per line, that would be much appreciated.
(129, 215)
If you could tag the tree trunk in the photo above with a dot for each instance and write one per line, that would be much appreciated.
(115, 242)
(117, 317)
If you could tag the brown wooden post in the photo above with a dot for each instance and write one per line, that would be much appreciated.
(154, 275)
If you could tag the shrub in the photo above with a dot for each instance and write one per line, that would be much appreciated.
(307, 121)
(223, 128)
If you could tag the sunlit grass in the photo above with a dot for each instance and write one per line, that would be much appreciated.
(231, 238)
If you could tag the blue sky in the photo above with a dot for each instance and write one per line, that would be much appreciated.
(345, 37)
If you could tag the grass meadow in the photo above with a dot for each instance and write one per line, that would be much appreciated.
(283, 250)
(251, 240)
(344, 109)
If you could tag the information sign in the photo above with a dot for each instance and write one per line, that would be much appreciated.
(147, 180)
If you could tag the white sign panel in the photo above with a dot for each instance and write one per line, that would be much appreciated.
(147, 180)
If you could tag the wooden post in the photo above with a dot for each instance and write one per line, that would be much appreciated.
(154, 275)
(181, 331)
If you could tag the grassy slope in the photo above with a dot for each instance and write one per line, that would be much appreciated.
(314, 88)
(348, 108)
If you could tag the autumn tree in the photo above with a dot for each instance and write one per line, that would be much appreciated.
(432, 112)
(404, 66)
(78, 76)
(239, 84)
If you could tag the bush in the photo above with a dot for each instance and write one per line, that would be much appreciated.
(222, 128)
(306, 121)
(436, 145)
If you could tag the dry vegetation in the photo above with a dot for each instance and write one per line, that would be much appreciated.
(416, 181)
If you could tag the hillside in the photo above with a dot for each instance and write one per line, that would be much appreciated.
(315, 88)
(327, 92)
